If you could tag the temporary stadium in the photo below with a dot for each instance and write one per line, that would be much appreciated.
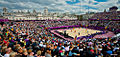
(97, 36)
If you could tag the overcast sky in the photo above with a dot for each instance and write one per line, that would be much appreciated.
(72, 6)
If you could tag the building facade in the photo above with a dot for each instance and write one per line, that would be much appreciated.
(46, 15)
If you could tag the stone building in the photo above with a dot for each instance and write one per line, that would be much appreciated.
(46, 15)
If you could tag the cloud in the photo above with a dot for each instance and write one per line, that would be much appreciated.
(72, 6)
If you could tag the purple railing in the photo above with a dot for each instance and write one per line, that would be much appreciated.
(4, 20)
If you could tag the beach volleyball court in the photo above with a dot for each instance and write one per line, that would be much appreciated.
(73, 32)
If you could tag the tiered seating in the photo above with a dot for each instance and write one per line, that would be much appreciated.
(107, 15)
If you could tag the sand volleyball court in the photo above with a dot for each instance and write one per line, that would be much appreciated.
(73, 32)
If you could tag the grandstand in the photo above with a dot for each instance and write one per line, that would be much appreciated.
(111, 14)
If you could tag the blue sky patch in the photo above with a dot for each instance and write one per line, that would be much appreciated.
(101, 0)
(72, 2)
(95, 3)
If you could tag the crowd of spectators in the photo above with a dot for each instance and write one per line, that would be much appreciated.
(33, 39)
(107, 15)
(112, 25)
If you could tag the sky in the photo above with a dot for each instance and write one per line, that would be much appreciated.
(62, 6)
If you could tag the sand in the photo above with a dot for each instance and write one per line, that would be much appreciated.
(79, 31)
